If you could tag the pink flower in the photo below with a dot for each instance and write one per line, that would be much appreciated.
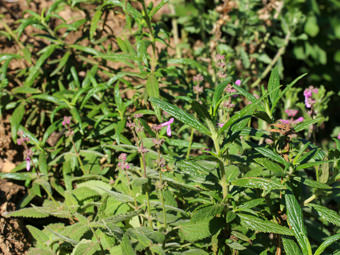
(298, 120)
(220, 124)
(338, 136)
(238, 82)
(291, 112)
(285, 121)
(28, 163)
(198, 78)
(198, 89)
(67, 120)
(219, 57)
(28, 159)
(229, 89)
(308, 93)
(168, 124)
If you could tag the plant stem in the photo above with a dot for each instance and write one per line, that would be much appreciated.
(310, 199)
(78, 156)
(162, 201)
(190, 143)
(146, 192)
(274, 60)
(223, 181)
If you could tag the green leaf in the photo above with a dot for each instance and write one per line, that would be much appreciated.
(312, 183)
(94, 22)
(181, 115)
(327, 214)
(306, 124)
(152, 89)
(248, 110)
(311, 26)
(34, 72)
(87, 247)
(25, 90)
(273, 85)
(258, 183)
(327, 243)
(97, 186)
(126, 246)
(193, 231)
(295, 220)
(207, 213)
(271, 166)
(271, 154)
(219, 91)
(39, 251)
(257, 224)
(188, 62)
(37, 234)
(286, 89)
(290, 246)
(311, 164)
(30, 212)
(62, 63)
(16, 118)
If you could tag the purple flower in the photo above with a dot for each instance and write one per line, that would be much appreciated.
(308, 93)
(67, 120)
(298, 120)
(198, 78)
(28, 163)
(285, 121)
(168, 124)
(238, 82)
(198, 89)
(28, 159)
(229, 89)
(219, 57)
(291, 112)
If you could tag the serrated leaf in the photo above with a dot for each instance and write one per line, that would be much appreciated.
(193, 231)
(326, 243)
(295, 220)
(311, 164)
(273, 85)
(271, 166)
(327, 214)
(246, 111)
(271, 154)
(219, 91)
(87, 247)
(37, 234)
(30, 212)
(257, 224)
(207, 212)
(311, 183)
(39, 251)
(95, 185)
(126, 246)
(290, 246)
(180, 115)
(258, 183)
(307, 123)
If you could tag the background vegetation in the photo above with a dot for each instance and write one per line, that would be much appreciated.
(174, 127)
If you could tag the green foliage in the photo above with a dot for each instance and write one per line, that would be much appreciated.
(90, 110)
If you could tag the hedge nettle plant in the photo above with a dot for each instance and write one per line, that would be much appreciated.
(166, 155)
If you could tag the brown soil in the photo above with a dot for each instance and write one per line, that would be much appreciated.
(12, 237)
